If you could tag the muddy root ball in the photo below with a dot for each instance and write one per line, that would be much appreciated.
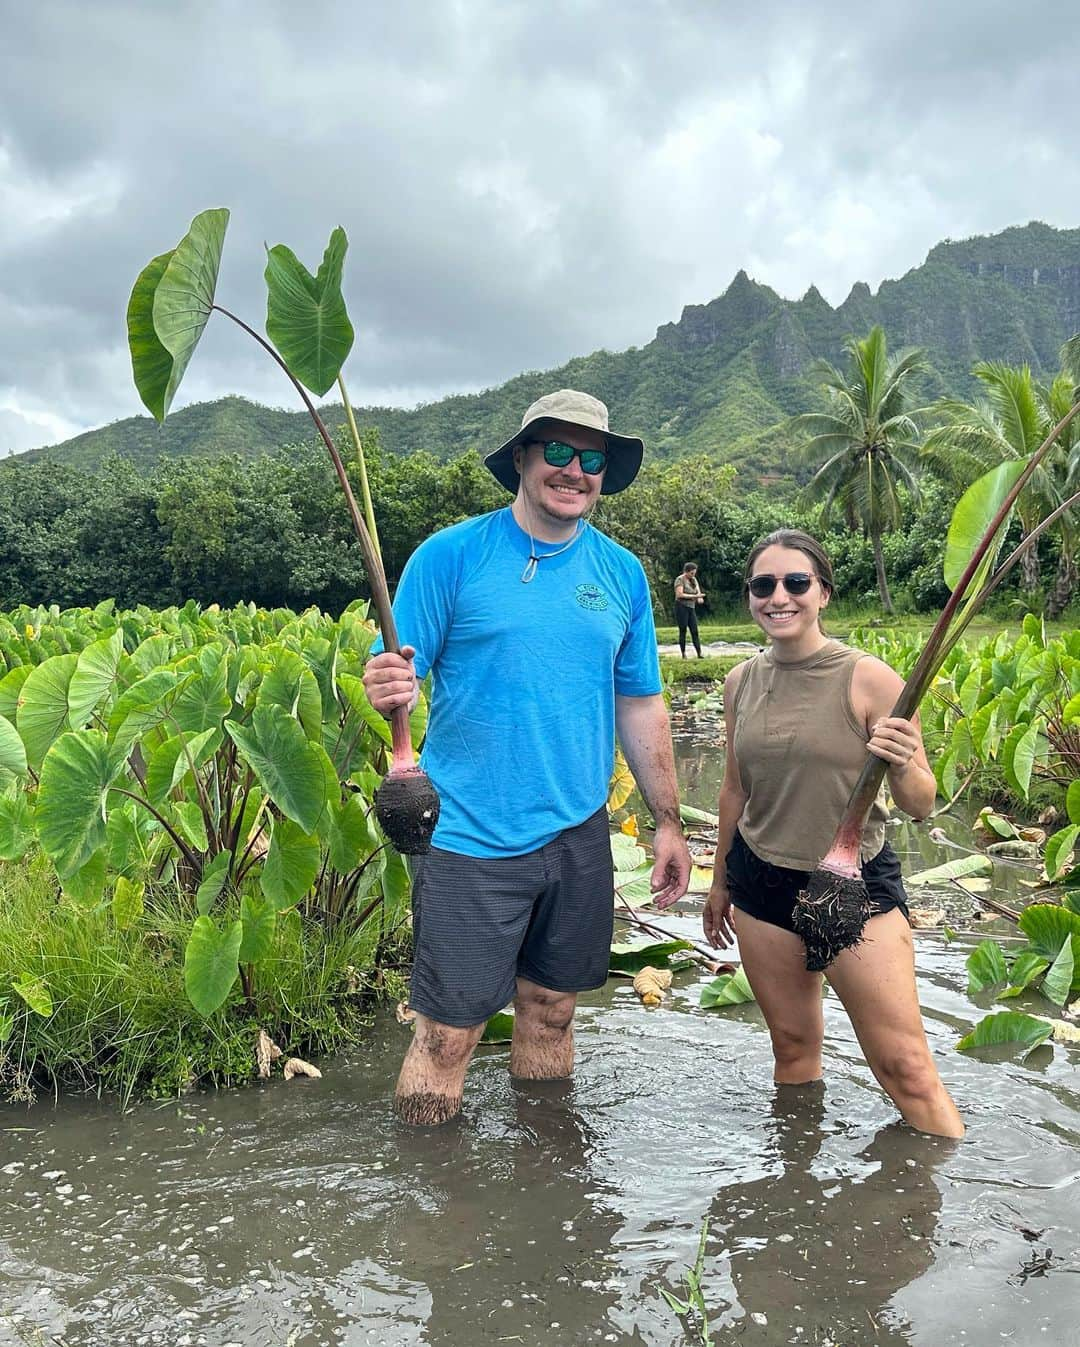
(830, 915)
(407, 807)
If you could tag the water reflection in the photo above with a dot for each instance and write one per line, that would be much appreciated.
(818, 1248)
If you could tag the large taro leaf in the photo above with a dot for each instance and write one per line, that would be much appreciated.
(10, 687)
(350, 834)
(1047, 928)
(289, 683)
(1009, 1027)
(291, 864)
(306, 318)
(86, 885)
(169, 308)
(974, 512)
(70, 814)
(285, 762)
(43, 706)
(12, 752)
(211, 963)
(151, 363)
(205, 701)
(171, 761)
(94, 676)
(1059, 851)
(353, 688)
(259, 921)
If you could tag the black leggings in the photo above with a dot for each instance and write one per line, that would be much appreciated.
(686, 616)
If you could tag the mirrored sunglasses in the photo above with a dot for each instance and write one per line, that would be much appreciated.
(795, 582)
(558, 455)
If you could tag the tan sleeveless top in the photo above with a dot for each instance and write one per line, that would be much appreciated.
(800, 748)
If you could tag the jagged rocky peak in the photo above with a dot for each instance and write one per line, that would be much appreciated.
(814, 299)
(743, 304)
(859, 293)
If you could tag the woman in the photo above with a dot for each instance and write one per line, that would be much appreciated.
(800, 719)
(688, 594)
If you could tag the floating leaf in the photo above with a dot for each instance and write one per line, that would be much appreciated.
(499, 1029)
(625, 853)
(729, 989)
(986, 967)
(1006, 1027)
(631, 959)
(958, 869)
(1059, 978)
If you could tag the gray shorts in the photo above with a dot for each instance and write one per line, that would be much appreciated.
(481, 922)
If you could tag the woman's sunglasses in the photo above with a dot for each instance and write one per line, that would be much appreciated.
(795, 582)
(558, 455)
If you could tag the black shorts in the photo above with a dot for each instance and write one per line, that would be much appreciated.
(768, 892)
(481, 922)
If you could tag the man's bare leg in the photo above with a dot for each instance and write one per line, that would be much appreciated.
(432, 1075)
(543, 1043)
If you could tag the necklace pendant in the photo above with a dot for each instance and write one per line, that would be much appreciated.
(530, 570)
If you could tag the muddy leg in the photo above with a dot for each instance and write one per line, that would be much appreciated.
(432, 1076)
(543, 1044)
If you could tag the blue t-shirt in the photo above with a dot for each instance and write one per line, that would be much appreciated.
(521, 735)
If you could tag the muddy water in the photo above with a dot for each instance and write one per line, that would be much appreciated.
(300, 1214)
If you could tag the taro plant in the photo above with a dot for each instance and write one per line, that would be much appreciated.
(231, 755)
(308, 324)
(832, 911)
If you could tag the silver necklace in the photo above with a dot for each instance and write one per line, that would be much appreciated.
(529, 573)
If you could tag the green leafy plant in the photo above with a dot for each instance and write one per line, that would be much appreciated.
(975, 535)
(170, 305)
(693, 1310)
(227, 756)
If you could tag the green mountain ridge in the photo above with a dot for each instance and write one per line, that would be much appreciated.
(721, 380)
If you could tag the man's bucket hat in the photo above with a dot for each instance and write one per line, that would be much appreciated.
(575, 409)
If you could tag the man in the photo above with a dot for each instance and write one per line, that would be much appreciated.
(537, 631)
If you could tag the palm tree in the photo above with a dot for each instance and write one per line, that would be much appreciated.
(1009, 420)
(870, 435)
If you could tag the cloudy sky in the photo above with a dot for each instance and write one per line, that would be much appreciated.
(520, 182)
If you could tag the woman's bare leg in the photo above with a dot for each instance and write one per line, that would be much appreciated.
(789, 997)
(876, 983)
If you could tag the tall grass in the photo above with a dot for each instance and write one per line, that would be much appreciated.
(120, 1018)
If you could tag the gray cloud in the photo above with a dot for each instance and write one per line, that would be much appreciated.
(520, 183)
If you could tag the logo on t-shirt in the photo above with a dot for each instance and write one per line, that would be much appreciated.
(591, 597)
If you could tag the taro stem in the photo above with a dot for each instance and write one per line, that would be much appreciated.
(843, 856)
(401, 740)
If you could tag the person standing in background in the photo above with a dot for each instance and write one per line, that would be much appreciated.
(688, 594)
